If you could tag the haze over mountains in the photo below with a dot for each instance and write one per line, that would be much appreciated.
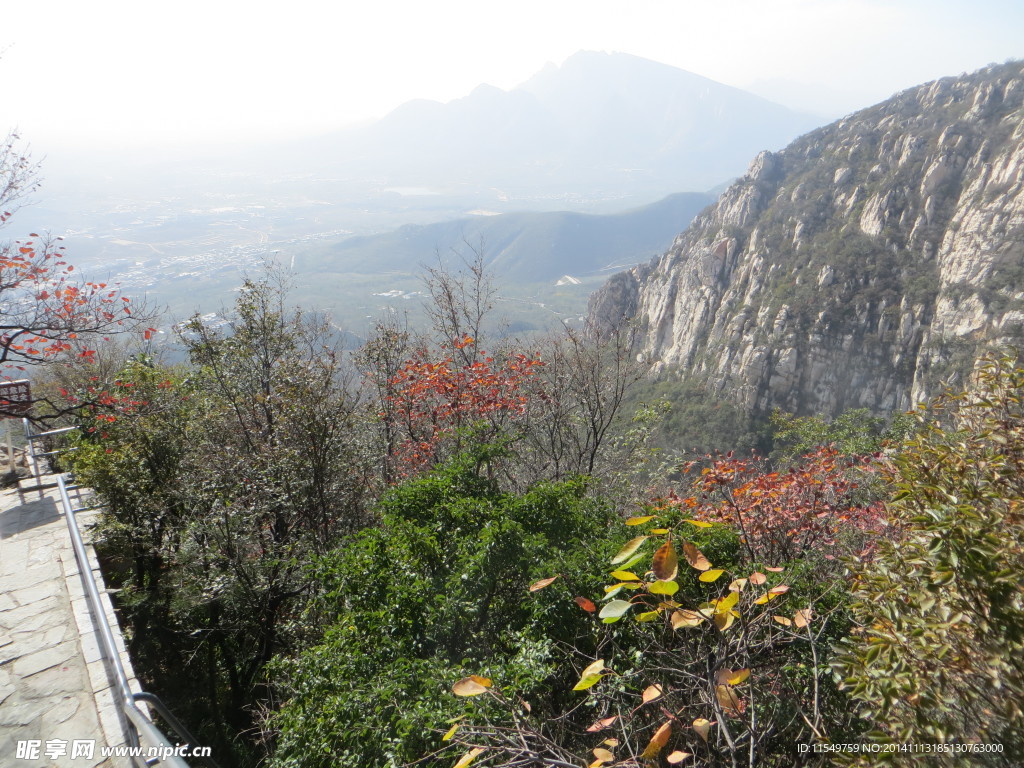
(600, 124)
(603, 133)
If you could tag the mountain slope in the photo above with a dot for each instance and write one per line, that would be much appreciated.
(862, 266)
(520, 247)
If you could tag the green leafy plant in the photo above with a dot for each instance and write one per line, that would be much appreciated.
(938, 654)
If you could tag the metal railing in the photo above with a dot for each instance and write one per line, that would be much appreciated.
(31, 436)
(141, 730)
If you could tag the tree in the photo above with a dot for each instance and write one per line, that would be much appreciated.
(221, 478)
(46, 313)
(434, 399)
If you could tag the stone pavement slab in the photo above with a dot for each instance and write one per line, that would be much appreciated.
(51, 690)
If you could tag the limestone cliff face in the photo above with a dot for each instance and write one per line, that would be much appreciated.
(862, 266)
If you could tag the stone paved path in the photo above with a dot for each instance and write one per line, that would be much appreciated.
(53, 684)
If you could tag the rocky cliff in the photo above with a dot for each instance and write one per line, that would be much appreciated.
(862, 266)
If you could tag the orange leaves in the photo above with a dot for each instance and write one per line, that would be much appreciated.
(586, 604)
(784, 514)
(601, 724)
(432, 398)
(651, 693)
(539, 585)
(665, 564)
(658, 741)
(695, 557)
(473, 685)
(41, 297)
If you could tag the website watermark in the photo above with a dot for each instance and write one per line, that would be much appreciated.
(87, 749)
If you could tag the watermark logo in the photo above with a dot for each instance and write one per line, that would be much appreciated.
(85, 749)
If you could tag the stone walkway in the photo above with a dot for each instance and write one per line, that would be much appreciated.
(54, 687)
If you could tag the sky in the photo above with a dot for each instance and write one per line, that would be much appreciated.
(152, 73)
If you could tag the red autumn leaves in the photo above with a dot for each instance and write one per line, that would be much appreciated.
(782, 515)
(47, 314)
(434, 398)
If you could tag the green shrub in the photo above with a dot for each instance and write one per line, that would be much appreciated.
(938, 655)
(438, 590)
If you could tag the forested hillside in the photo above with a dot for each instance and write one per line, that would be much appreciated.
(453, 552)
(452, 548)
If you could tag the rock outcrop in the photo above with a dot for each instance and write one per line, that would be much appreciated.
(863, 266)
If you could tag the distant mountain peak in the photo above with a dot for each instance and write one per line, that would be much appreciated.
(598, 122)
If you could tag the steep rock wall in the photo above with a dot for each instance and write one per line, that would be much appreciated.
(864, 265)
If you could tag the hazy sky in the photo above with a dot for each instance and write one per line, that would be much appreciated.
(149, 71)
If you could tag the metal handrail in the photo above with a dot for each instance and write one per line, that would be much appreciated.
(141, 727)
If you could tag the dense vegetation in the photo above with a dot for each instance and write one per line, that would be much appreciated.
(447, 551)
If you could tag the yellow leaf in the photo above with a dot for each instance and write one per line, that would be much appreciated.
(727, 603)
(765, 598)
(542, 583)
(631, 546)
(703, 726)
(611, 742)
(700, 523)
(712, 575)
(782, 620)
(724, 620)
(469, 757)
(625, 576)
(658, 531)
(587, 681)
(677, 757)
(665, 563)
(473, 685)
(731, 676)
(802, 617)
(737, 585)
(451, 732)
(640, 520)
(604, 755)
(624, 585)
(591, 676)
(658, 741)
(727, 699)
(648, 615)
(651, 693)
(695, 557)
(663, 588)
(685, 619)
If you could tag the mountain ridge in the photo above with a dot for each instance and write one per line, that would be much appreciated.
(599, 119)
(522, 247)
